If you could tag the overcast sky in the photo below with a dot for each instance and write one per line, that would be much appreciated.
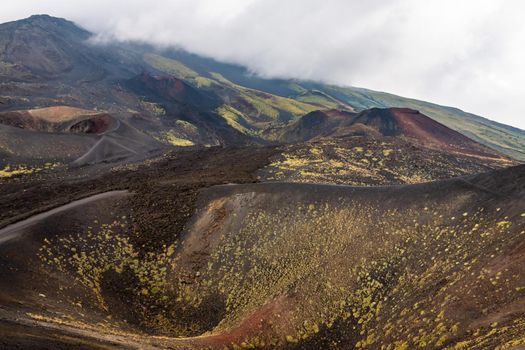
(464, 53)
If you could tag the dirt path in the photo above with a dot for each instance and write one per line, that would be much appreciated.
(16, 229)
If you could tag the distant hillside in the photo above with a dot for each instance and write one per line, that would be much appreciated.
(47, 61)
(378, 123)
(504, 138)
(312, 125)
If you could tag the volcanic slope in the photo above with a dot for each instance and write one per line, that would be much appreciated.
(184, 99)
(376, 147)
(281, 266)
(416, 126)
(384, 122)
(31, 140)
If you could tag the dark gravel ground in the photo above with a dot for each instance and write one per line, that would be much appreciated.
(166, 186)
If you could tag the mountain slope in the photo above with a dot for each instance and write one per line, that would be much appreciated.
(375, 147)
(418, 127)
(501, 137)
(380, 123)
(504, 138)
(40, 48)
(264, 266)
(122, 227)
(46, 61)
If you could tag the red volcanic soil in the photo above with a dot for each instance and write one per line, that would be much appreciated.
(253, 325)
(419, 126)
(384, 122)
(317, 118)
(60, 113)
(59, 119)
(169, 87)
(424, 130)
(95, 125)
(22, 120)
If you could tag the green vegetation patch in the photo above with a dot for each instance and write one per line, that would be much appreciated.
(368, 162)
(201, 81)
(172, 137)
(318, 100)
(234, 118)
(170, 66)
(154, 108)
(260, 108)
(14, 170)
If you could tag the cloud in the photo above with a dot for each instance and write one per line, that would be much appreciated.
(467, 54)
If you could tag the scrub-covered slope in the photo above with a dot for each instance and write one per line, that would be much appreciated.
(376, 147)
(273, 266)
(429, 266)
(130, 216)
(504, 138)
(365, 161)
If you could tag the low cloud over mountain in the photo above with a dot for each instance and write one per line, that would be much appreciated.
(465, 54)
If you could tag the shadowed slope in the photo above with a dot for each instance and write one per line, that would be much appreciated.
(369, 161)
(313, 125)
